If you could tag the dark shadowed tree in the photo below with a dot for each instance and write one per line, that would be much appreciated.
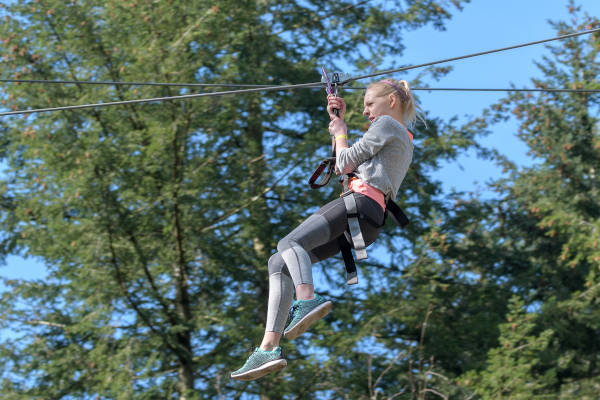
(156, 221)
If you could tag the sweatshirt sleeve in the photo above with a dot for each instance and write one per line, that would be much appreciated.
(366, 147)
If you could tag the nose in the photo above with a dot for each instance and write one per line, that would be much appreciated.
(365, 112)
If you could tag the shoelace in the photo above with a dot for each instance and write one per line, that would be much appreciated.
(295, 306)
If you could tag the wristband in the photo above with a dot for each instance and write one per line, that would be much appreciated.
(341, 137)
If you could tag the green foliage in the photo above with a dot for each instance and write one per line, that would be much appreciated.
(156, 221)
(513, 367)
(538, 239)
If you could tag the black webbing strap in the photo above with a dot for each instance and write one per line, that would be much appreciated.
(395, 212)
(328, 163)
(346, 249)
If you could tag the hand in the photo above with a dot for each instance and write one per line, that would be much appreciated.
(337, 126)
(337, 103)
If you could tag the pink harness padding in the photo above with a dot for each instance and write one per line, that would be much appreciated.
(358, 186)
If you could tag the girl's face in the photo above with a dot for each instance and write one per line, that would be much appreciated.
(377, 105)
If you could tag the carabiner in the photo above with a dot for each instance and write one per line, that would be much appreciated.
(328, 89)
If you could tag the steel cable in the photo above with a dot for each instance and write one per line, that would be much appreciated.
(121, 83)
(181, 97)
(234, 85)
(481, 53)
(306, 85)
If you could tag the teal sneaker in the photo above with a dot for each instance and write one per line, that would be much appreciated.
(304, 314)
(260, 363)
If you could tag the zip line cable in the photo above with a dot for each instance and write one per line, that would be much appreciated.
(481, 53)
(299, 86)
(273, 88)
(120, 83)
(186, 96)
(235, 85)
(549, 90)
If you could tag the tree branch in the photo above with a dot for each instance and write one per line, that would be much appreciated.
(45, 323)
(150, 279)
(129, 298)
(443, 396)
(215, 222)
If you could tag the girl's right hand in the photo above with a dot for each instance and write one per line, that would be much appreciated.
(337, 103)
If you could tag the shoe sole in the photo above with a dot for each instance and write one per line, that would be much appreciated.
(309, 319)
(267, 368)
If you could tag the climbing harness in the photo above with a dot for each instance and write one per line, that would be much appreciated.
(352, 237)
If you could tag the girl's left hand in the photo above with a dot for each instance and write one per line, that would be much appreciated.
(337, 127)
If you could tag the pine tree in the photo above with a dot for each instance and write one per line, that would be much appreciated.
(539, 239)
(156, 221)
(512, 367)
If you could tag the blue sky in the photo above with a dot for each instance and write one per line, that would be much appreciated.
(482, 25)
(485, 25)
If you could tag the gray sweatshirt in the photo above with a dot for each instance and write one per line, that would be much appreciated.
(381, 157)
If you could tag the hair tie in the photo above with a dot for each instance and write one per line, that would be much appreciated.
(400, 91)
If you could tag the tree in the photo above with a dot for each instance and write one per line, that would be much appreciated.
(539, 239)
(511, 371)
(156, 221)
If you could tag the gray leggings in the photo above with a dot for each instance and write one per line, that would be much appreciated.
(313, 240)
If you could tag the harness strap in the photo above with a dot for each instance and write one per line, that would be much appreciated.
(346, 249)
(328, 162)
(353, 236)
(395, 212)
(354, 226)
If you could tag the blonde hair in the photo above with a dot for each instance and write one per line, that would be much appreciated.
(410, 110)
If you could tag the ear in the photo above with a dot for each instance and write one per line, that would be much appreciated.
(393, 100)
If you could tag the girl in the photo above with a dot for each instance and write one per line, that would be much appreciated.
(377, 163)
